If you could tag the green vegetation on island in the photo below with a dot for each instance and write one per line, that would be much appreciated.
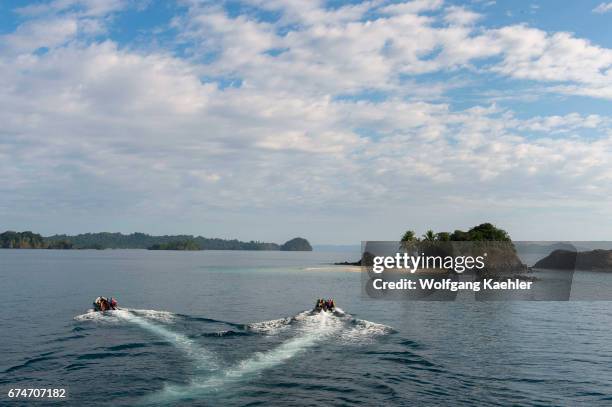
(105, 240)
(483, 232)
(178, 245)
(30, 240)
(59, 245)
(502, 254)
(484, 240)
(21, 240)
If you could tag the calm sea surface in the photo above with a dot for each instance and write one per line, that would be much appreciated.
(231, 328)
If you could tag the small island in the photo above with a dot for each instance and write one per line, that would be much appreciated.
(298, 244)
(592, 260)
(502, 255)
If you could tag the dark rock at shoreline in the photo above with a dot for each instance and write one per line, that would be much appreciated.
(298, 244)
(366, 259)
(559, 260)
(595, 260)
(348, 263)
(540, 248)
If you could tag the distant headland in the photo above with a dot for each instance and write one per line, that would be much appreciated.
(592, 260)
(106, 240)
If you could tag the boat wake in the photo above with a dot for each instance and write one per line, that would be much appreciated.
(353, 329)
(309, 328)
(202, 358)
(114, 316)
(299, 334)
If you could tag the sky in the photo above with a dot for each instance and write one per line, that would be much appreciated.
(338, 121)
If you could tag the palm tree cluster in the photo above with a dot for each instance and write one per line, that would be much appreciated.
(482, 232)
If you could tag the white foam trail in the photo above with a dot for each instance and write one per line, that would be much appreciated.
(316, 329)
(276, 326)
(364, 331)
(106, 317)
(312, 330)
(160, 316)
(270, 327)
(111, 316)
(203, 358)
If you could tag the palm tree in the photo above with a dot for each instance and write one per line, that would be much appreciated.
(429, 236)
(409, 236)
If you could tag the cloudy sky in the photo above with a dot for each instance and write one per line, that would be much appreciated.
(337, 121)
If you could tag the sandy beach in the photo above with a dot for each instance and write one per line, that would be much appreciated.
(351, 269)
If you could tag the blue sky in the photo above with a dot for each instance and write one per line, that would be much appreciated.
(337, 121)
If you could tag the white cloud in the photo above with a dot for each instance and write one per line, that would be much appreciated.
(532, 54)
(348, 53)
(603, 8)
(89, 125)
(563, 124)
(84, 8)
(31, 36)
(461, 16)
(412, 7)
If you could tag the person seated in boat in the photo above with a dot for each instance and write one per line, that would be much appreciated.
(104, 304)
(319, 304)
(329, 305)
(101, 304)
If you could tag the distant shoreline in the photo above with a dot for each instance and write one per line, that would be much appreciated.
(106, 240)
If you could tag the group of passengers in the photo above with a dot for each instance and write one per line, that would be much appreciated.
(105, 304)
(325, 305)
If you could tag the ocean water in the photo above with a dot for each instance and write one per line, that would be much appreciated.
(233, 328)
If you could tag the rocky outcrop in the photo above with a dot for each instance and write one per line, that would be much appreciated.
(501, 259)
(594, 260)
(298, 244)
